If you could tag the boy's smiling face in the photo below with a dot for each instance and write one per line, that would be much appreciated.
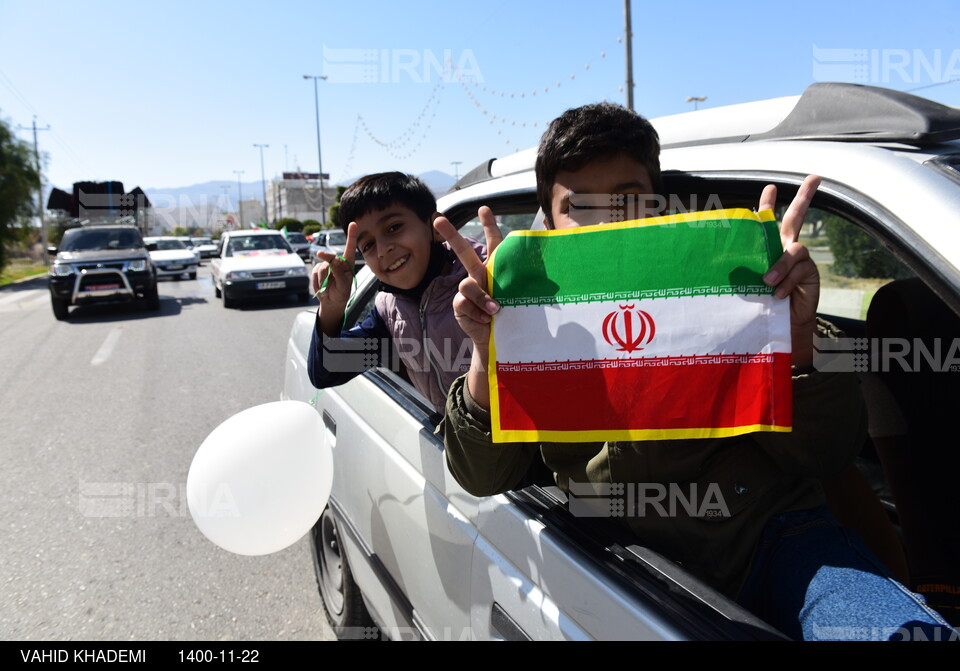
(395, 244)
(583, 197)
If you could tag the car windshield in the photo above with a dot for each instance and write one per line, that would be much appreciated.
(202, 241)
(298, 238)
(336, 239)
(166, 245)
(250, 244)
(92, 239)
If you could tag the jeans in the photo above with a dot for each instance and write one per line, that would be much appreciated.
(815, 580)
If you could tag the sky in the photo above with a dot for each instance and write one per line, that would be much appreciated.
(169, 94)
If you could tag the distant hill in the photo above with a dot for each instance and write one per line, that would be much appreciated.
(196, 203)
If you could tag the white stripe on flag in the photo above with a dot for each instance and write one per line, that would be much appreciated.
(736, 324)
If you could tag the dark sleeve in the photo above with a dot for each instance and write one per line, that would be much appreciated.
(481, 466)
(333, 361)
(829, 422)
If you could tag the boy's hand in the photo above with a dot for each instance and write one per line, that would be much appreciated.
(472, 306)
(338, 274)
(795, 274)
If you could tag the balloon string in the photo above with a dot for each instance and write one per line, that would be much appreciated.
(343, 324)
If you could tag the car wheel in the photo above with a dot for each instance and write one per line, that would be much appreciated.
(61, 308)
(227, 301)
(216, 289)
(304, 296)
(339, 594)
(193, 275)
(152, 299)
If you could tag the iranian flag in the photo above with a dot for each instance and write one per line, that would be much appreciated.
(643, 330)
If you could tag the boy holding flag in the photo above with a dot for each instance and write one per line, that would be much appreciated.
(774, 548)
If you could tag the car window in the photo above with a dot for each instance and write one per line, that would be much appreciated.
(852, 264)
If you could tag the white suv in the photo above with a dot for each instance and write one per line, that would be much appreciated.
(403, 547)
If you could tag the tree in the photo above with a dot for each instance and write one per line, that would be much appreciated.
(19, 184)
(310, 226)
(292, 225)
(333, 220)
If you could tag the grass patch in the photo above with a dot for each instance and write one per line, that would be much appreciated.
(18, 271)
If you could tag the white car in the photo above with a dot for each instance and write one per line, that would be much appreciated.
(403, 548)
(171, 257)
(205, 247)
(257, 263)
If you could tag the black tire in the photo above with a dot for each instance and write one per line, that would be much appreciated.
(339, 594)
(216, 289)
(227, 301)
(193, 275)
(61, 308)
(151, 299)
(304, 297)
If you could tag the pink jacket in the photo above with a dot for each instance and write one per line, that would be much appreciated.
(431, 344)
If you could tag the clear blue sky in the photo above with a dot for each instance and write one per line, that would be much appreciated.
(167, 94)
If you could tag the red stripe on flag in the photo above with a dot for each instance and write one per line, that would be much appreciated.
(651, 397)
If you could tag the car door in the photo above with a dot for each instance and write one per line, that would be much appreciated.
(410, 527)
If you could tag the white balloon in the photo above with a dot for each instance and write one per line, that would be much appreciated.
(261, 479)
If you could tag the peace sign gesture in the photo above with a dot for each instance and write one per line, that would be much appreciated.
(330, 282)
(472, 306)
(795, 274)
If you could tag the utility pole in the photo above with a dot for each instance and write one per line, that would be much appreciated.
(456, 170)
(628, 38)
(43, 222)
(316, 100)
(263, 180)
(239, 198)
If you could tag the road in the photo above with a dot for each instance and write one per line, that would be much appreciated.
(101, 416)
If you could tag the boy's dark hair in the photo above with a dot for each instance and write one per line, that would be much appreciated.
(599, 131)
(381, 190)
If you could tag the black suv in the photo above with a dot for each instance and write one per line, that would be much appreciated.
(96, 264)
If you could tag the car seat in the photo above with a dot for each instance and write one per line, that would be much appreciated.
(920, 456)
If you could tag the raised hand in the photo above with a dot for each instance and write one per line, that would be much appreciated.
(795, 274)
(472, 306)
(331, 281)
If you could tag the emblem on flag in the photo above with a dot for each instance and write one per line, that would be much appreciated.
(642, 330)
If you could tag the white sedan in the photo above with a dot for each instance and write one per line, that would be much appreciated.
(172, 258)
(257, 263)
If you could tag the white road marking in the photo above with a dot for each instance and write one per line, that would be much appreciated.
(106, 349)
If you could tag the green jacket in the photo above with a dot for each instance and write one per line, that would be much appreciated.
(702, 502)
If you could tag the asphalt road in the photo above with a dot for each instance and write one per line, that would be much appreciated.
(101, 416)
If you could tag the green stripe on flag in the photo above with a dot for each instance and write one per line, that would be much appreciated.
(693, 254)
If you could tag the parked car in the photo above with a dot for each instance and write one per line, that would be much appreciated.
(403, 549)
(98, 264)
(300, 245)
(172, 258)
(257, 263)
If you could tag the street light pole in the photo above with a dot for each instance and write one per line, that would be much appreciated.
(316, 100)
(695, 100)
(263, 180)
(239, 197)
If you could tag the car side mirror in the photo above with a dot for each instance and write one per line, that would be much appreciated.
(151, 246)
(52, 250)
